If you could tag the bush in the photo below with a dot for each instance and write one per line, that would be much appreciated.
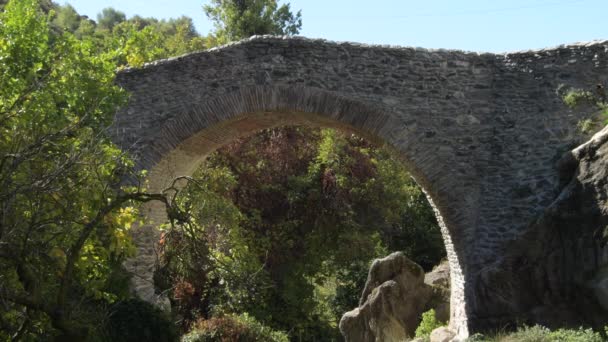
(539, 333)
(479, 338)
(136, 320)
(577, 97)
(428, 324)
(536, 333)
(232, 328)
(580, 335)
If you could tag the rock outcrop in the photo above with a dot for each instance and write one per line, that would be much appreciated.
(439, 276)
(393, 300)
(562, 261)
(442, 334)
(439, 280)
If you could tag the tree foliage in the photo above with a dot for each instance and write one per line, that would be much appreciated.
(136, 320)
(109, 18)
(64, 216)
(428, 324)
(132, 41)
(67, 18)
(595, 101)
(238, 19)
(314, 207)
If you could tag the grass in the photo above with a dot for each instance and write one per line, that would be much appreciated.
(539, 333)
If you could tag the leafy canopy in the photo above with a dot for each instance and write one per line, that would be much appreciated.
(238, 19)
(64, 216)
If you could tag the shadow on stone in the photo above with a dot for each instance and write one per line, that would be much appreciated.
(556, 274)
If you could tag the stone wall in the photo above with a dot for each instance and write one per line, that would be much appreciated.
(480, 132)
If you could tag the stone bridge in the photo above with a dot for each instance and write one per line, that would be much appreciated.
(481, 133)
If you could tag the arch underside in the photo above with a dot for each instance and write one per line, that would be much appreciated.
(191, 137)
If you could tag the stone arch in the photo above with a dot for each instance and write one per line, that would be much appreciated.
(480, 132)
(185, 141)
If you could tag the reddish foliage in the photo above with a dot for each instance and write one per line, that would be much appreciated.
(329, 182)
(183, 291)
(226, 328)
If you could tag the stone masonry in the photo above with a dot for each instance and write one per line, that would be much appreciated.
(481, 133)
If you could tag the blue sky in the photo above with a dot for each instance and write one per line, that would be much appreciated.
(474, 25)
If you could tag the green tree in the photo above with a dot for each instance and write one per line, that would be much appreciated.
(67, 18)
(86, 29)
(109, 17)
(181, 36)
(64, 216)
(138, 40)
(238, 19)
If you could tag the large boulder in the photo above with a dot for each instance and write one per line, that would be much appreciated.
(442, 334)
(439, 280)
(439, 276)
(390, 307)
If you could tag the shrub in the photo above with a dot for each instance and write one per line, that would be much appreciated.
(587, 126)
(428, 324)
(232, 328)
(597, 99)
(576, 97)
(571, 335)
(536, 333)
(136, 320)
(479, 338)
(539, 333)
